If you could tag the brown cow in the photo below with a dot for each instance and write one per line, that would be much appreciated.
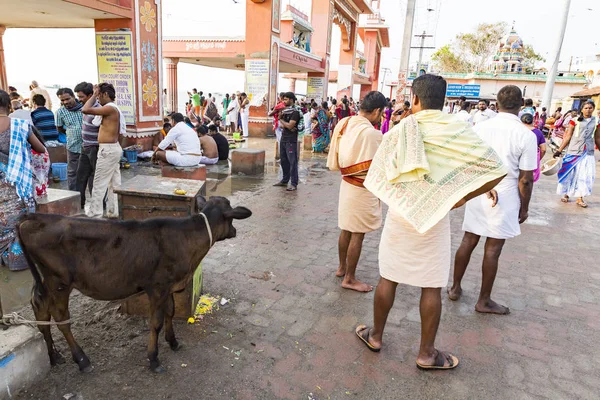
(112, 260)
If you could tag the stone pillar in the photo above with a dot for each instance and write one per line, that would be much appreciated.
(171, 84)
(346, 73)
(3, 79)
(137, 74)
(322, 20)
(293, 85)
(263, 25)
(372, 54)
(347, 56)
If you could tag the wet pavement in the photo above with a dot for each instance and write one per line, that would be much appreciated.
(292, 323)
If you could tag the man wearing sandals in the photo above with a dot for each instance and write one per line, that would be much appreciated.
(427, 165)
(578, 172)
(498, 220)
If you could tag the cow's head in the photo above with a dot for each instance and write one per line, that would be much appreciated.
(221, 216)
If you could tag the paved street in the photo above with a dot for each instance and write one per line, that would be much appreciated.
(293, 324)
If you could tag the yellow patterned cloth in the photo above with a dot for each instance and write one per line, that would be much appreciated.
(428, 163)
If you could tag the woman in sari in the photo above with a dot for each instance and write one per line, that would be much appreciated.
(211, 112)
(387, 118)
(320, 131)
(16, 181)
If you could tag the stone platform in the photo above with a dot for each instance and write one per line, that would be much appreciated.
(23, 359)
(197, 173)
(248, 161)
(62, 202)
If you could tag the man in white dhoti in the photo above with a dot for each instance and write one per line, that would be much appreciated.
(428, 164)
(354, 143)
(498, 219)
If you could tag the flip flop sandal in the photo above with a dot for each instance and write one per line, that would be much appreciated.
(564, 199)
(581, 204)
(440, 360)
(364, 337)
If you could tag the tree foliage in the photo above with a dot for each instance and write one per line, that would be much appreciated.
(531, 58)
(472, 52)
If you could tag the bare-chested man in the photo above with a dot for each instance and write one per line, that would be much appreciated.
(107, 175)
(210, 151)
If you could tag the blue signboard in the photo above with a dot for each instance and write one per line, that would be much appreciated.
(457, 90)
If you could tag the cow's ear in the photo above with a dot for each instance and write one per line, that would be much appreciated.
(238, 213)
(200, 203)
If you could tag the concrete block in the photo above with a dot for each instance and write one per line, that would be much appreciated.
(307, 140)
(197, 173)
(57, 154)
(61, 202)
(248, 161)
(23, 359)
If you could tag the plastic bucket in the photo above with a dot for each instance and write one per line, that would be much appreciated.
(131, 155)
(60, 170)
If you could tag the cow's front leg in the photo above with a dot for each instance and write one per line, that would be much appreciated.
(169, 333)
(157, 316)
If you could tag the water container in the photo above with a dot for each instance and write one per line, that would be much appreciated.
(131, 155)
(60, 169)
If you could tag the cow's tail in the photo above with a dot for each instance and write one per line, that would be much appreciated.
(38, 287)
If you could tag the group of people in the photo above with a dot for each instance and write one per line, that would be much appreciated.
(234, 115)
(183, 144)
(76, 127)
(430, 162)
(91, 123)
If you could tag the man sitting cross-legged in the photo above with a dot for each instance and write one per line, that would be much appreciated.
(210, 151)
(185, 139)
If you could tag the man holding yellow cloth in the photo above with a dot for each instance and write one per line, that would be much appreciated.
(427, 165)
(353, 145)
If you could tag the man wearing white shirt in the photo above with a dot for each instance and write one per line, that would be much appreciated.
(464, 114)
(186, 140)
(498, 214)
(483, 113)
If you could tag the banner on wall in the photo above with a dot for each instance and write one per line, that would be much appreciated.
(115, 65)
(315, 87)
(257, 81)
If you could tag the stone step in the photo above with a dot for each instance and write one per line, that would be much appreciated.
(59, 201)
(23, 359)
(197, 173)
(248, 161)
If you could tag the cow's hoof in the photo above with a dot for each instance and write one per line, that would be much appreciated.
(85, 365)
(56, 359)
(175, 346)
(87, 370)
(159, 369)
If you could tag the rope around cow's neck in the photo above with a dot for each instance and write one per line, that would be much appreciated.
(210, 236)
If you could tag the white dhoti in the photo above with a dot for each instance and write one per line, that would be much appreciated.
(182, 160)
(359, 210)
(499, 222)
(409, 257)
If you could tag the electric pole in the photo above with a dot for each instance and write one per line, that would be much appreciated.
(549, 88)
(422, 36)
(405, 54)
